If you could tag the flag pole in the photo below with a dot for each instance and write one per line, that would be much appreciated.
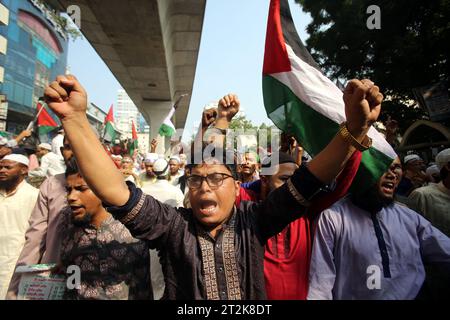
(30, 125)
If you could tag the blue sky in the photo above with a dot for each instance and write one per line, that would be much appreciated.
(230, 60)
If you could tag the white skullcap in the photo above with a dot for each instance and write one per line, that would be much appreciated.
(443, 158)
(161, 167)
(45, 146)
(3, 141)
(411, 157)
(432, 169)
(8, 143)
(11, 143)
(176, 158)
(116, 156)
(151, 158)
(17, 158)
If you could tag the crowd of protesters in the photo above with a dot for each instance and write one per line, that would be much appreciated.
(216, 225)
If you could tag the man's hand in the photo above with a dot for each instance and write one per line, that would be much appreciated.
(362, 106)
(153, 145)
(66, 97)
(24, 134)
(209, 117)
(228, 107)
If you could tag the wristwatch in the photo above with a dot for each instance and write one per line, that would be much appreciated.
(347, 136)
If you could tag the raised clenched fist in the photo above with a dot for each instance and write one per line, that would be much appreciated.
(66, 97)
(209, 117)
(228, 107)
(362, 105)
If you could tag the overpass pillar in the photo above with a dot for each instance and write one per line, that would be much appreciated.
(154, 113)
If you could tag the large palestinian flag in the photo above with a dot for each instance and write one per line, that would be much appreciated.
(302, 101)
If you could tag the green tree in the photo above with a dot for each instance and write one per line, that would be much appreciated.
(410, 50)
(241, 122)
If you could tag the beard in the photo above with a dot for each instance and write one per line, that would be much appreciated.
(372, 200)
(11, 183)
(82, 221)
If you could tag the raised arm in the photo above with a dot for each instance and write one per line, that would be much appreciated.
(68, 99)
(362, 108)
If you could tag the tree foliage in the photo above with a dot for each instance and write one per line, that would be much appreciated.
(410, 50)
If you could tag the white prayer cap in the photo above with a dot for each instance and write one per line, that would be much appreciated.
(116, 156)
(176, 158)
(8, 143)
(17, 158)
(161, 167)
(411, 157)
(11, 143)
(443, 158)
(151, 158)
(45, 146)
(432, 169)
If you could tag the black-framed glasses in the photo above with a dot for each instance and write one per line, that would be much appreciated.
(214, 180)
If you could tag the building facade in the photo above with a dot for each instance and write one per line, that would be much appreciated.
(34, 53)
(126, 114)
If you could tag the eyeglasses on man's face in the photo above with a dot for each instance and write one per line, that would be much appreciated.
(214, 180)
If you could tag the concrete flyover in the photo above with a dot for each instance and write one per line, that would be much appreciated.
(151, 47)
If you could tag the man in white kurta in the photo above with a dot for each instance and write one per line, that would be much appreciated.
(168, 194)
(17, 199)
(51, 163)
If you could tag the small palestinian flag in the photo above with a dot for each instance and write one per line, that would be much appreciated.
(134, 139)
(45, 122)
(109, 134)
(167, 128)
(302, 101)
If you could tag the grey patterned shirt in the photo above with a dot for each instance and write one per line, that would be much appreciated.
(113, 264)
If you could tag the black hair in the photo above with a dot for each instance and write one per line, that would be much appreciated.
(283, 157)
(198, 156)
(72, 167)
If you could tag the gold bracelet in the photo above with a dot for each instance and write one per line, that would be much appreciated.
(343, 131)
(297, 196)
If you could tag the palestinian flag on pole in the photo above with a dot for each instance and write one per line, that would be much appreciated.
(134, 139)
(45, 122)
(109, 133)
(302, 101)
(167, 128)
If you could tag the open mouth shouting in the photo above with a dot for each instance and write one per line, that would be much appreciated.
(207, 207)
(388, 187)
